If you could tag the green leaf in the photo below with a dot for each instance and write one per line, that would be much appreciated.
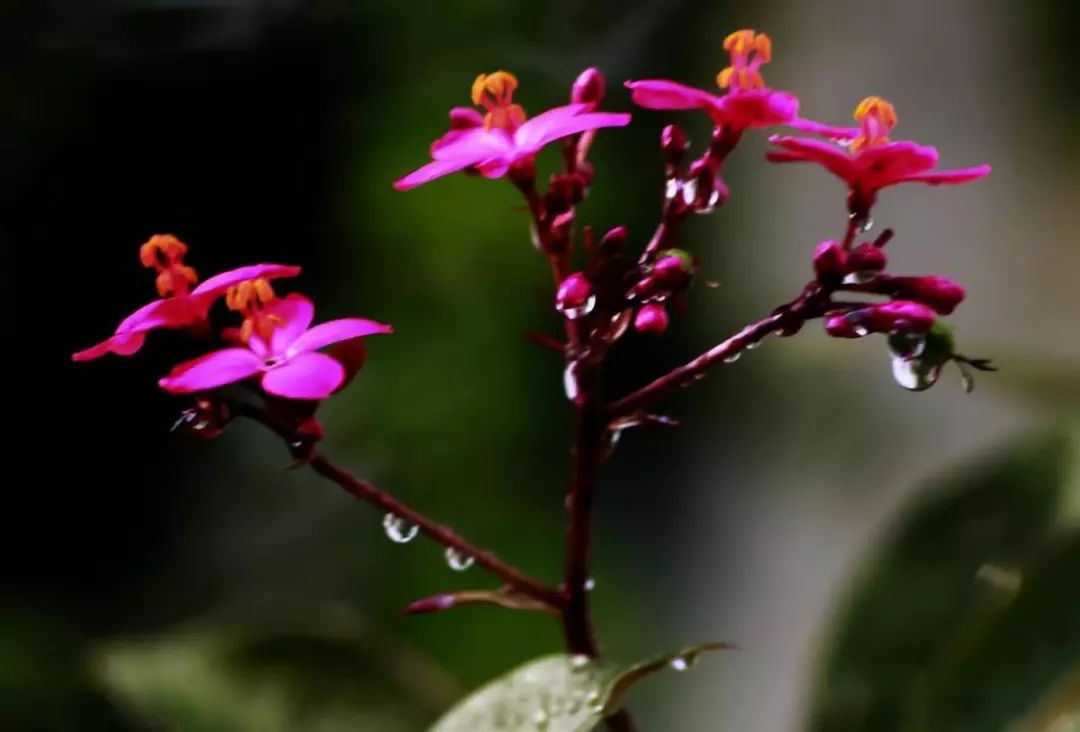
(271, 679)
(558, 693)
(957, 622)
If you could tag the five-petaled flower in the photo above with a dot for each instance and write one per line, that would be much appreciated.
(865, 157)
(279, 347)
(502, 138)
(747, 103)
(178, 306)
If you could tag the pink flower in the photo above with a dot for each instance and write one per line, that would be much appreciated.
(865, 158)
(747, 103)
(177, 307)
(285, 356)
(493, 143)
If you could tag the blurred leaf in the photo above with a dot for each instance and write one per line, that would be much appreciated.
(967, 557)
(267, 680)
(558, 693)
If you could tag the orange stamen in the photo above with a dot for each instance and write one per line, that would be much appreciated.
(251, 299)
(495, 93)
(165, 254)
(877, 118)
(749, 50)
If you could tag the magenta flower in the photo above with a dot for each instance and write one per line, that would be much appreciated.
(503, 138)
(747, 103)
(177, 307)
(865, 158)
(282, 349)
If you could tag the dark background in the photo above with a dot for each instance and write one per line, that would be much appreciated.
(272, 131)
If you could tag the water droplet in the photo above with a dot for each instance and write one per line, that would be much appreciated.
(733, 357)
(907, 345)
(398, 530)
(580, 311)
(570, 383)
(913, 374)
(540, 719)
(619, 323)
(867, 224)
(458, 561)
(861, 330)
(590, 584)
(860, 277)
(671, 188)
(679, 664)
(579, 661)
(689, 192)
(592, 699)
(753, 345)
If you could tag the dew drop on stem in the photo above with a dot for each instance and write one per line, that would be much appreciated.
(458, 561)
(398, 530)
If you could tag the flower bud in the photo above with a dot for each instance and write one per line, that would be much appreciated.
(651, 318)
(614, 241)
(575, 297)
(830, 261)
(588, 87)
(672, 269)
(897, 316)
(867, 260)
(940, 293)
(464, 118)
(673, 142)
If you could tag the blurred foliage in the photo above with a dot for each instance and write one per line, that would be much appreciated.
(325, 674)
(970, 611)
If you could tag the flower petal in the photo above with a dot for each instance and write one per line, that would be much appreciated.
(219, 283)
(819, 128)
(433, 170)
(755, 108)
(476, 143)
(963, 175)
(292, 316)
(211, 371)
(307, 376)
(542, 129)
(886, 164)
(836, 160)
(122, 344)
(324, 334)
(664, 94)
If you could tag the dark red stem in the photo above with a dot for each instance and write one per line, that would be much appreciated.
(435, 531)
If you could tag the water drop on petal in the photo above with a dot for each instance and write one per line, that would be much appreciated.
(861, 330)
(753, 345)
(458, 561)
(398, 530)
(590, 584)
(733, 357)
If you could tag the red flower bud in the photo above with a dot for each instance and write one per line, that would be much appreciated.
(651, 318)
(614, 241)
(867, 259)
(588, 87)
(575, 296)
(897, 316)
(940, 293)
(672, 270)
(830, 261)
(673, 142)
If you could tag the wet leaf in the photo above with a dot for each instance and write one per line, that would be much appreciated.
(558, 693)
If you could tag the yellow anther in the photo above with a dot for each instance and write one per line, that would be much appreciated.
(723, 79)
(878, 108)
(740, 41)
(499, 87)
(162, 249)
(763, 46)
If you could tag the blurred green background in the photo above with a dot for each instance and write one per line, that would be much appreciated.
(885, 560)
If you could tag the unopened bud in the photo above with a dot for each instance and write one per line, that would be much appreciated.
(574, 297)
(588, 87)
(614, 241)
(866, 258)
(673, 142)
(651, 318)
(940, 293)
(830, 261)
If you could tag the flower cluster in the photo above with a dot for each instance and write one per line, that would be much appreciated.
(614, 290)
(274, 342)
